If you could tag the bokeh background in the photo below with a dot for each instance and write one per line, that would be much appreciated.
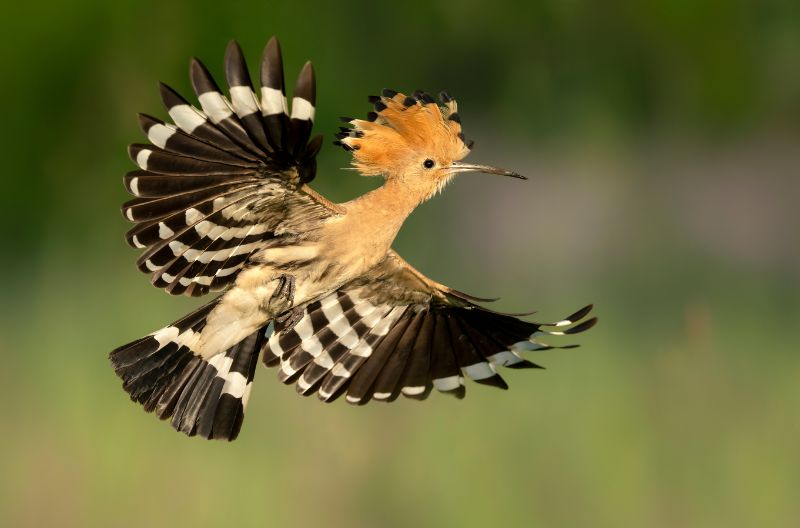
(662, 142)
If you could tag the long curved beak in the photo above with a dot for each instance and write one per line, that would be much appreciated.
(471, 167)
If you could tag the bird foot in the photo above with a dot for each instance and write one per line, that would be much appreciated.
(286, 320)
(284, 292)
(282, 302)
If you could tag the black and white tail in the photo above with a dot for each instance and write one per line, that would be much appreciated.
(202, 396)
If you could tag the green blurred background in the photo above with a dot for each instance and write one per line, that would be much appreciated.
(661, 142)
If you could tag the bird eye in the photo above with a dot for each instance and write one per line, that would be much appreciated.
(428, 164)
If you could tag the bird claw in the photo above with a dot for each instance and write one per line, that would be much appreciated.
(286, 320)
(286, 288)
(282, 302)
(283, 296)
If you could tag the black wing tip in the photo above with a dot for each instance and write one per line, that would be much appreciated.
(134, 149)
(582, 327)
(146, 122)
(170, 96)
(236, 71)
(306, 85)
(308, 68)
(273, 44)
(580, 314)
(233, 47)
(201, 79)
(272, 65)
(196, 64)
(572, 318)
(164, 87)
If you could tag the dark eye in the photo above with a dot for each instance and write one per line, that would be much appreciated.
(428, 164)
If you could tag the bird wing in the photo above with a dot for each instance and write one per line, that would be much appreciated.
(225, 179)
(395, 331)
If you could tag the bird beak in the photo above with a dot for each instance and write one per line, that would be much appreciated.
(471, 167)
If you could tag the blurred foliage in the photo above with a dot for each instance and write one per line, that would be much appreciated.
(662, 142)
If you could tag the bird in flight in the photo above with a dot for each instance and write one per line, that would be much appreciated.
(223, 203)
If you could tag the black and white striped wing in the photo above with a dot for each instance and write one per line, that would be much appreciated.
(222, 180)
(396, 332)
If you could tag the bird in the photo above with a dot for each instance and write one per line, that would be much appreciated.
(222, 203)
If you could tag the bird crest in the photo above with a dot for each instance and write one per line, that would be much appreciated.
(400, 129)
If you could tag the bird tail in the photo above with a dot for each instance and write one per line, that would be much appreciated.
(202, 396)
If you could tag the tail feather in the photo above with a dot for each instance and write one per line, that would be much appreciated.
(203, 397)
(166, 402)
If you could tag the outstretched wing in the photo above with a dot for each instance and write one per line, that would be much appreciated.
(394, 331)
(225, 179)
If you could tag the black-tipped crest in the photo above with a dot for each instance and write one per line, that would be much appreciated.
(398, 111)
(427, 99)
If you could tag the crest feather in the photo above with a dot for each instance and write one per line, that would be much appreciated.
(400, 129)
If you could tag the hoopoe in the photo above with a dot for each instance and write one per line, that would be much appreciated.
(223, 203)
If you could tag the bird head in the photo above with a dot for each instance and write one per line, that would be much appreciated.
(413, 139)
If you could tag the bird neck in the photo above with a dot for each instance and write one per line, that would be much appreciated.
(383, 210)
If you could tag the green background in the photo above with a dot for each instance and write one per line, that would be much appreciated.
(661, 142)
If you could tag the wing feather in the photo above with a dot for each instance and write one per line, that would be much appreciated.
(223, 180)
(394, 331)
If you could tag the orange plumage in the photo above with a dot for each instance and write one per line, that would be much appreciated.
(404, 129)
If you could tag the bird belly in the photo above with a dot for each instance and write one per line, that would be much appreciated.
(259, 295)
(241, 311)
(262, 292)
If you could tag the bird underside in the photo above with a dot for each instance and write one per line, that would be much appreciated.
(222, 203)
(374, 338)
